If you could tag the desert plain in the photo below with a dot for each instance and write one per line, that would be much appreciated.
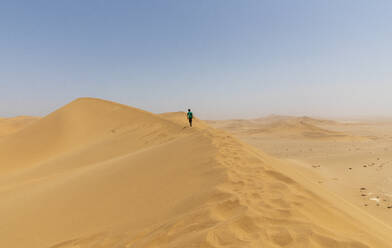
(350, 157)
(99, 174)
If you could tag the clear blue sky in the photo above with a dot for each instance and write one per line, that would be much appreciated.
(222, 58)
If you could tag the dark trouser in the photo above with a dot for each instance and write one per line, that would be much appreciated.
(190, 121)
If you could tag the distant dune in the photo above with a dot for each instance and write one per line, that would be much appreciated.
(306, 119)
(284, 126)
(12, 125)
(99, 174)
(296, 127)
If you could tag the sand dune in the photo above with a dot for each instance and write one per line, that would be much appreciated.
(180, 119)
(306, 119)
(12, 125)
(284, 127)
(100, 174)
(295, 128)
(80, 125)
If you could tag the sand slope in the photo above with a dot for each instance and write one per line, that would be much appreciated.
(80, 124)
(356, 169)
(12, 125)
(129, 178)
(180, 119)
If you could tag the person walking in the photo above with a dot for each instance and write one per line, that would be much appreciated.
(190, 117)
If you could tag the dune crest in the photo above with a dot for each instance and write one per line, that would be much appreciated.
(113, 176)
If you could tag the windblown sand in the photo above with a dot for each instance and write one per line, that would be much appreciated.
(100, 174)
(350, 158)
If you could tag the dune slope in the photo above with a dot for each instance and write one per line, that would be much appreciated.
(12, 125)
(80, 124)
(153, 183)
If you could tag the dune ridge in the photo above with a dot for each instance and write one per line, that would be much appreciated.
(129, 178)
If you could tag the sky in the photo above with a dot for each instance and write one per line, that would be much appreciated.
(222, 58)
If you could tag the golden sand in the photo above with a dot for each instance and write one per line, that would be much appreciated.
(100, 174)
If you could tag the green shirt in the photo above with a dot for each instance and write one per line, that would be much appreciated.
(190, 115)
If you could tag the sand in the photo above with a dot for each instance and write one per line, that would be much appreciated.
(12, 125)
(99, 174)
(356, 165)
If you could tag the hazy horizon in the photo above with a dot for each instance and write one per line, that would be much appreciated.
(223, 59)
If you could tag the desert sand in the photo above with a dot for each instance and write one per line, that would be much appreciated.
(100, 174)
(12, 125)
(350, 158)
